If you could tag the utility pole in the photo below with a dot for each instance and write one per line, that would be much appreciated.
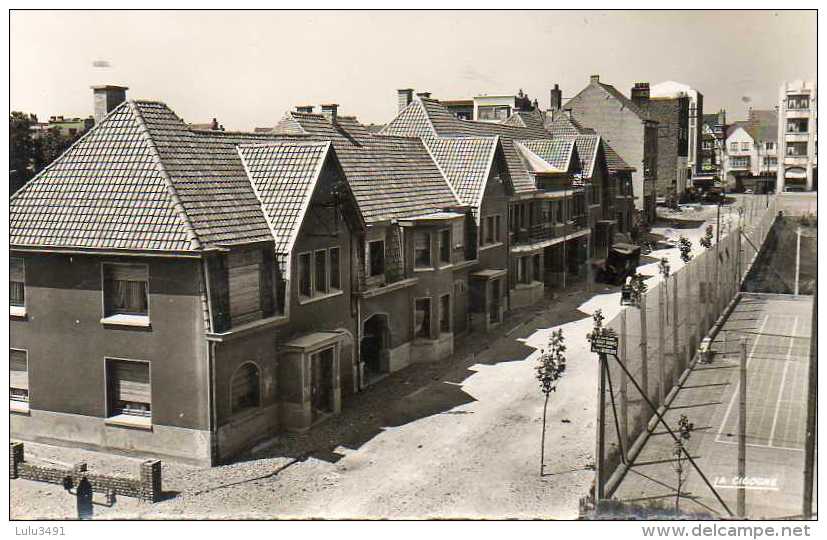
(797, 257)
(812, 406)
(742, 433)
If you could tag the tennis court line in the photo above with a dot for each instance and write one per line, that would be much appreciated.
(738, 385)
(783, 381)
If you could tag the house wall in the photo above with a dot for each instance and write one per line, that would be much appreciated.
(67, 345)
(620, 127)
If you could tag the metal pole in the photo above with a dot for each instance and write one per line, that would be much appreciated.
(797, 257)
(644, 347)
(742, 432)
(812, 406)
(600, 463)
(661, 358)
(675, 438)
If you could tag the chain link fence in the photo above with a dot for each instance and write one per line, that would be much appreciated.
(659, 338)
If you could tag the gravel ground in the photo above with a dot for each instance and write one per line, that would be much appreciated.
(456, 439)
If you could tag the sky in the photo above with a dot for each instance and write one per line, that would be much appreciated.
(248, 68)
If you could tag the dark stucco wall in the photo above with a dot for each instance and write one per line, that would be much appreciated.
(67, 343)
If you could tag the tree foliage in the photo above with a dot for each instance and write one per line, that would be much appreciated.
(28, 155)
(685, 247)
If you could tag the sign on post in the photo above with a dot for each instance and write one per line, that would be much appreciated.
(605, 344)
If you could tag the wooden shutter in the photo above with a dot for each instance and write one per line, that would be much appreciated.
(245, 286)
(18, 370)
(129, 381)
(17, 270)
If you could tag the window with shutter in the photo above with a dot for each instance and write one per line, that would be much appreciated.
(244, 273)
(128, 388)
(17, 282)
(245, 388)
(18, 375)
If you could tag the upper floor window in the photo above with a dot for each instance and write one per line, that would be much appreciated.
(245, 388)
(769, 145)
(493, 112)
(128, 388)
(125, 289)
(445, 246)
(17, 282)
(798, 102)
(18, 376)
(458, 233)
(422, 249)
(745, 146)
(376, 258)
(733, 147)
(739, 162)
(796, 149)
(797, 125)
(491, 229)
(319, 273)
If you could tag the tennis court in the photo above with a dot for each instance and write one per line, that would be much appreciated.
(777, 332)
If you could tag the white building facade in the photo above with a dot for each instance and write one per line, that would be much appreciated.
(798, 136)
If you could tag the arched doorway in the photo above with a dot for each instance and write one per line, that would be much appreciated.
(373, 351)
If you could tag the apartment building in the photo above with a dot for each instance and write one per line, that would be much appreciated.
(713, 149)
(798, 136)
(694, 119)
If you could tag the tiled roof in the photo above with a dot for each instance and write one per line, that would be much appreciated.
(466, 162)
(556, 152)
(390, 177)
(527, 119)
(762, 125)
(614, 162)
(425, 116)
(587, 146)
(628, 103)
(284, 175)
(208, 178)
(563, 124)
(108, 191)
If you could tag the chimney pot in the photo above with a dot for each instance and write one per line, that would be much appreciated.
(107, 97)
(405, 96)
(640, 93)
(330, 111)
(594, 78)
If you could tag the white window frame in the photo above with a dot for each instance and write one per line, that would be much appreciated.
(19, 311)
(315, 295)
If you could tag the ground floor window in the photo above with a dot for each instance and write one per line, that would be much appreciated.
(245, 388)
(128, 388)
(18, 376)
(422, 318)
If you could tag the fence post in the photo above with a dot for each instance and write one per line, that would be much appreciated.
(15, 458)
(661, 357)
(676, 344)
(151, 480)
(644, 347)
(624, 412)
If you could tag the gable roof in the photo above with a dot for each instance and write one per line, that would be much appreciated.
(762, 125)
(425, 117)
(390, 177)
(556, 152)
(107, 191)
(465, 162)
(614, 94)
(527, 119)
(564, 124)
(284, 175)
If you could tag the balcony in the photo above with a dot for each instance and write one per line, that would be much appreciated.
(548, 233)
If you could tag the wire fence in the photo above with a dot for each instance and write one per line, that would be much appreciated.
(659, 338)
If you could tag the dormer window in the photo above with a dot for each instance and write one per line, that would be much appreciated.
(422, 249)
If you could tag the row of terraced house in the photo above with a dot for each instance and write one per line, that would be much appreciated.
(187, 293)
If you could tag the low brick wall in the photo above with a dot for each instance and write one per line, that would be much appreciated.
(146, 487)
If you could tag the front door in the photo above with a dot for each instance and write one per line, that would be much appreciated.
(321, 389)
(494, 304)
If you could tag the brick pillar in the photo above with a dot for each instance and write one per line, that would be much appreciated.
(16, 457)
(151, 480)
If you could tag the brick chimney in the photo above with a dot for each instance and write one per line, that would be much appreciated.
(594, 79)
(330, 111)
(640, 94)
(405, 97)
(556, 98)
(107, 97)
(304, 108)
(722, 117)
